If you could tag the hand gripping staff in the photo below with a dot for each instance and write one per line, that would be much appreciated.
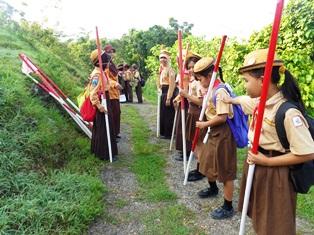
(29, 67)
(181, 69)
(261, 108)
(103, 95)
(204, 105)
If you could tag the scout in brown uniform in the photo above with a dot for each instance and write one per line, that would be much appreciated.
(166, 83)
(137, 85)
(114, 90)
(218, 156)
(272, 204)
(99, 142)
(128, 77)
(193, 111)
(190, 60)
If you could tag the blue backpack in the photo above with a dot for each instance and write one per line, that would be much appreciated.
(239, 123)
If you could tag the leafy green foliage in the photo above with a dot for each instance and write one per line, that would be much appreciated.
(295, 45)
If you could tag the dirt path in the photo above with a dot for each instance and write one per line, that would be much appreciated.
(124, 209)
(121, 204)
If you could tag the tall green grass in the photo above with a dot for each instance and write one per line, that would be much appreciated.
(49, 181)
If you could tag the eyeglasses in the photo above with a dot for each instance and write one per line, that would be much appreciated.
(162, 58)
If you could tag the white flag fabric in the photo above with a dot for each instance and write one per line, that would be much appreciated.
(25, 69)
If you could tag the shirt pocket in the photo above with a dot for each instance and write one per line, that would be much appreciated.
(269, 130)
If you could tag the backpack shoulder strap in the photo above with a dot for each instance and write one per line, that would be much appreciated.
(279, 122)
(220, 86)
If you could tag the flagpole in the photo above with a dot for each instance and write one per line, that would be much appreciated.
(181, 70)
(59, 100)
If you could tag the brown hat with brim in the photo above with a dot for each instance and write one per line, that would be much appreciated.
(257, 59)
(94, 56)
(203, 64)
(164, 53)
(192, 55)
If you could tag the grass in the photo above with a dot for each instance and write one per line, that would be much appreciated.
(49, 181)
(170, 220)
(150, 91)
(149, 167)
(148, 164)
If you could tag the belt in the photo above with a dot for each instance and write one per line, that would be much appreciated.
(270, 153)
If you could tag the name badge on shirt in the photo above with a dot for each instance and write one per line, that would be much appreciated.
(297, 121)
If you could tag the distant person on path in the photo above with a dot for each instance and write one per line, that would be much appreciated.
(166, 84)
(137, 83)
(128, 78)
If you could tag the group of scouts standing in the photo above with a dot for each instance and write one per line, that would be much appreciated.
(272, 205)
(130, 79)
(120, 79)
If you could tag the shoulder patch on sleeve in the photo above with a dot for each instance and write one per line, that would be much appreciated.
(297, 121)
(94, 81)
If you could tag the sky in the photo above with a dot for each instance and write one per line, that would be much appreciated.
(114, 18)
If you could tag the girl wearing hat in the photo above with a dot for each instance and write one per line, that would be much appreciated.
(177, 105)
(166, 83)
(194, 109)
(99, 142)
(272, 204)
(218, 156)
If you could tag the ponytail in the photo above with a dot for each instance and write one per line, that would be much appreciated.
(220, 74)
(291, 90)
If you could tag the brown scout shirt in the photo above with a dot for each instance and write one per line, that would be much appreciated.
(299, 137)
(167, 77)
(95, 86)
(114, 92)
(221, 107)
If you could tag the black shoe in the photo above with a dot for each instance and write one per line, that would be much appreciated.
(195, 176)
(118, 136)
(207, 193)
(222, 213)
(114, 158)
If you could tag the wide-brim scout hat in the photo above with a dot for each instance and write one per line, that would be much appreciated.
(94, 57)
(203, 64)
(164, 53)
(257, 59)
(190, 56)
